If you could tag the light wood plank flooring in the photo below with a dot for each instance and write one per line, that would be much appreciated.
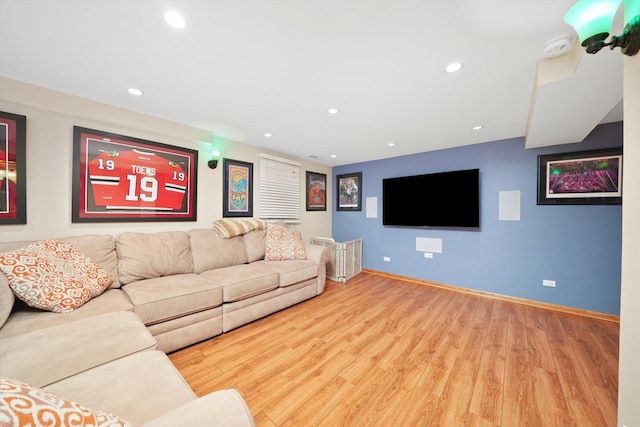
(382, 351)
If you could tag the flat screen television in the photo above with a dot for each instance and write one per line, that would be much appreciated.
(445, 199)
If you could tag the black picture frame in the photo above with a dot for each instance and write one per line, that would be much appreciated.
(316, 191)
(118, 178)
(592, 177)
(349, 192)
(238, 189)
(13, 173)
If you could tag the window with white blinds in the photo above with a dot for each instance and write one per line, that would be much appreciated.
(279, 188)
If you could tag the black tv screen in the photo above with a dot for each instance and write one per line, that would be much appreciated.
(445, 199)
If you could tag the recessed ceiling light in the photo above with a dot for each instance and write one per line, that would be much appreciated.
(477, 127)
(391, 144)
(268, 135)
(333, 110)
(175, 19)
(333, 156)
(134, 91)
(453, 67)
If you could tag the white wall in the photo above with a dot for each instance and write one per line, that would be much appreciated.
(50, 119)
(629, 361)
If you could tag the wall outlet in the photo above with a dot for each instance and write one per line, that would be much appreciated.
(549, 283)
(387, 259)
(428, 255)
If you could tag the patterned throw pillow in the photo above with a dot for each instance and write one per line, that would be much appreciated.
(53, 275)
(71, 262)
(24, 405)
(282, 243)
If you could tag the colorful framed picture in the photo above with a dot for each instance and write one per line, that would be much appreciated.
(13, 174)
(316, 191)
(349, 192)
(581, 178)
(117, 178)
(238, 189)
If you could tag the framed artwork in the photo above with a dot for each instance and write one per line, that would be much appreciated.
(581, 178)
(349, 194)
(238, 189)
(13, 175)
(316, 191)
(117, 178)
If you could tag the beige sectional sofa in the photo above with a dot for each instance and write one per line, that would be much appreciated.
(169, 290)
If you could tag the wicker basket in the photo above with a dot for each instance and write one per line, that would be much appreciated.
(346, 258)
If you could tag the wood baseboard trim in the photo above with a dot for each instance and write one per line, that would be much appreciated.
(531, 303)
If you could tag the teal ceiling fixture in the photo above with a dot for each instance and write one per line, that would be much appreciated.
(592, 21)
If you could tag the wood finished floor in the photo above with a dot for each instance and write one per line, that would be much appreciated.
(386, 352)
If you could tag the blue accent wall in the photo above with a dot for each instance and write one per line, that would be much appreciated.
(578, 246)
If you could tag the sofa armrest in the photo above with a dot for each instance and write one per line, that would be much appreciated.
(7, 299)
(220, 408)
(317, 253)
(47, 355)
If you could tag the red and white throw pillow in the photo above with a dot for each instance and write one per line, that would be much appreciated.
(24, 405)
(53, 275)
(282, 243)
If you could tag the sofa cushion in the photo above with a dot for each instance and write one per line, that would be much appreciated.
(282, 243)
(138, 388)
(243, 281)
(24, 405)
(164, 298)
(241, 312)
(212, 251)
(48, 355)
(148, 255)
(24, 318)
(12, 246)
(220, 408)
(172, 335)
(101, 248)
(291, 272)
(254, 242)
(53, 275)
(6, 299)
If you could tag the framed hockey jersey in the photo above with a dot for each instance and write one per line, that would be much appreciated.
(120, 178)
(13, 176)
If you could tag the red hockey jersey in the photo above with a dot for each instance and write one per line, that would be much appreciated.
(135, 179)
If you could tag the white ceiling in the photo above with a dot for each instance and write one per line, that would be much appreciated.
(241, 68)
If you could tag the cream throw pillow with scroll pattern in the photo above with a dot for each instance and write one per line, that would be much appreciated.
(282, 244)
(53, 275)
(24, 405)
